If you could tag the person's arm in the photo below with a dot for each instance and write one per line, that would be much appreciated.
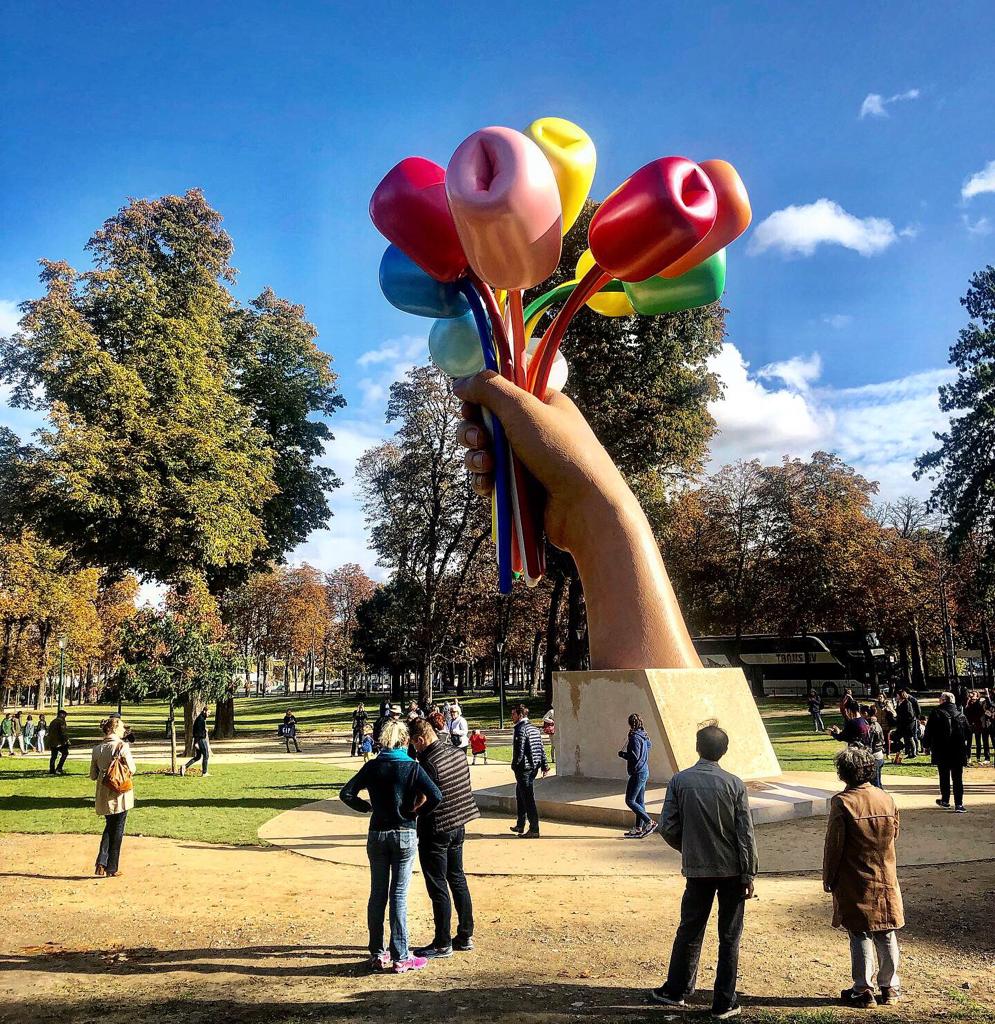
(429, 794)
(746, 842)
(349, 793)
(832, 854)
(634, 620)
(94, 770)
(671, 827)
(517, 735)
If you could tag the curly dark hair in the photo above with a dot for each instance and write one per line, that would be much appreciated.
(635, 723)
(855, 766)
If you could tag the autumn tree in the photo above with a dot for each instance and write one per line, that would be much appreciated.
(347, 587)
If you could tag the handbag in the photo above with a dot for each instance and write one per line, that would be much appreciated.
(117, 778)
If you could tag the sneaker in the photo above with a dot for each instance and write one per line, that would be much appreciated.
(889, 996)
(183, 770)
(413, 963)
(518, 828)
(381, 962)
(433, 952)
(648, 829)
(943, 803)
(860, 1000)
(205, 775)
(960, 809)
(463, 945)
(733, 1011)
(659, 995)
(632, 833)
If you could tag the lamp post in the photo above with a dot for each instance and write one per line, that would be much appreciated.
(62, 666)
(499, 646)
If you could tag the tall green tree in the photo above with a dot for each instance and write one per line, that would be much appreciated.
(180, 431)
(962, 468)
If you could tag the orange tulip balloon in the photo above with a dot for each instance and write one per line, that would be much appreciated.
(732, 217)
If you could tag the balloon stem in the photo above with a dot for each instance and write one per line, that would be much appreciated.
(518, 334)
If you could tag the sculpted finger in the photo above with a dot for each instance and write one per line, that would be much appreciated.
(479, 462)
(482, 483)
(471, 435)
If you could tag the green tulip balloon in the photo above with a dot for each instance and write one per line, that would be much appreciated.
(698, 287)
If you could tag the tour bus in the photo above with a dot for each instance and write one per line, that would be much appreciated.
(794, 665)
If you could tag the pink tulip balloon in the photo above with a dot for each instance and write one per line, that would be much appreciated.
(506, 206)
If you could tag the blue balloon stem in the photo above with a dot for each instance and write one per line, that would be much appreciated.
(502, 467)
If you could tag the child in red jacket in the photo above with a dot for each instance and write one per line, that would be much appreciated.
(478, 745)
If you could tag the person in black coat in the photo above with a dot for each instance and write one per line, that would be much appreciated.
(947, 738)
(201, 744)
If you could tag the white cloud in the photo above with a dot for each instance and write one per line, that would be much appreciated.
(981, 226)
(837, 320)
(879, 429)
(798, 230)
(875, 105)
(9, 315)
(977, 184)
(390, 362)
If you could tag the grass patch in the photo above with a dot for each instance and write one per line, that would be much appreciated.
(226, 807)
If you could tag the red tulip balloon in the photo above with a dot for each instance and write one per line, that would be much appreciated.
(652, 219)
(410, 209)
(506, 205)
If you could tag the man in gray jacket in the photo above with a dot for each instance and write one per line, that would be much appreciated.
(707, 817)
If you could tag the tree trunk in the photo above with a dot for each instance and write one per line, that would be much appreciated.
(224, 719)
(552, 629)
(172, 736)
(918, 662)
(576, 652)
(190, 701)
(425, 679)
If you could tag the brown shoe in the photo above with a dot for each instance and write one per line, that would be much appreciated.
(889, 997)
(100, 871)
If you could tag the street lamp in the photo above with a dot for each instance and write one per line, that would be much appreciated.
(62, 666)
(500, 674)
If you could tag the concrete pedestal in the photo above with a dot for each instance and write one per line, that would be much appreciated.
(592, 708)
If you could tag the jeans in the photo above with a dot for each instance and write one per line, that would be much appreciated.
(7, 741)
(635, 796)
(40, 741)
(525, 798)
(951, 772)
(863, 946)
(292, 739)
(392, 856)
(818, 724)
(441, 857)
(908, 741)
(695, 909)
(879, 761)
(62, 752)
(201, 751)
(110, 841)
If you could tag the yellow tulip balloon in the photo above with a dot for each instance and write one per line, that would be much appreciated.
(605, 303)
(570, 152)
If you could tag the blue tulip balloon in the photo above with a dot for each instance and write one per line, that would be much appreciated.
(406, 286)
(454, 346)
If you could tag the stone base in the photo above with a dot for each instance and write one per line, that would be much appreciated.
(602, 801)
(592, 708)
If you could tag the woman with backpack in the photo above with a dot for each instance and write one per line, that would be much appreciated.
(112, 767)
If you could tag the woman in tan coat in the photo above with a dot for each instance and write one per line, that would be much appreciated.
(112, 805)
(860, 870)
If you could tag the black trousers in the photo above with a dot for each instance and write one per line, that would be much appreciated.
(440, 855)
(357, 738)
(201, 752)
(62, 752)
(695, 909)
(951, 772)
(110, 841)
(525, 798)
(980, 735)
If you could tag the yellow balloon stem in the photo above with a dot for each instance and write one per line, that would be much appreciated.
(494, 537)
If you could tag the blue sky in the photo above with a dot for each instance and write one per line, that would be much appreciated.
(856, 128)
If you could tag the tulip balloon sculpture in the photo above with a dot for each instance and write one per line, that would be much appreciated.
(468, 239)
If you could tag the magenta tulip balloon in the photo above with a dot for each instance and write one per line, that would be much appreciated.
(506, 206)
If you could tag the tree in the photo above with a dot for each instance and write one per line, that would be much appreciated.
(963, 466)
(180, 429)
(179, 653)
(347, 588)
(425, 522)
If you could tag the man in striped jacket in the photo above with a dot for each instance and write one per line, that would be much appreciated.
(440, 840)
(528, 758)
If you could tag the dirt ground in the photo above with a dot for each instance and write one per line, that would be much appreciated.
(192, 933)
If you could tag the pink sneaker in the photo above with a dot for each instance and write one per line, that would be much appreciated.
(413, 963)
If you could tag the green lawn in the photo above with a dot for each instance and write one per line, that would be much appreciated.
(258, 716)
(226, 807)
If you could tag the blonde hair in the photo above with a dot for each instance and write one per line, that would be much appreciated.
(108, 725)
(394, 735)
